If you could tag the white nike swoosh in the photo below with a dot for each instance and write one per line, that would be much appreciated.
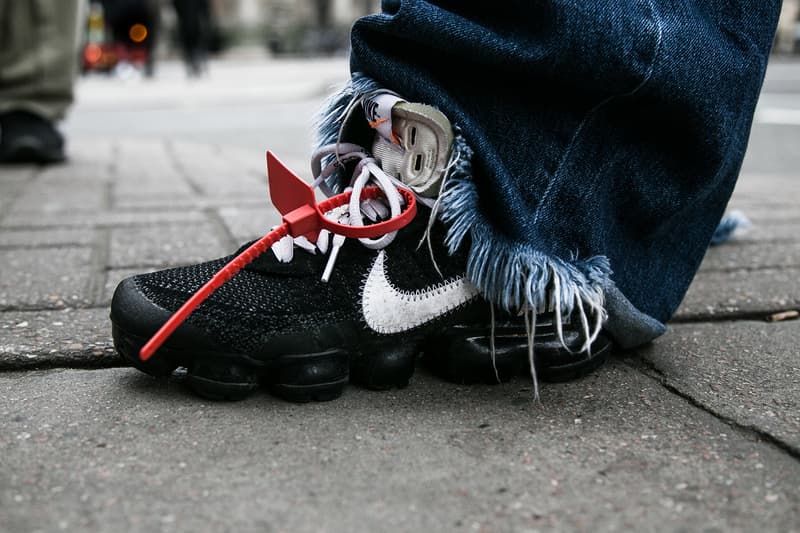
(389, 310)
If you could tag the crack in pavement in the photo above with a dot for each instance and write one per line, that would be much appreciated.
(651, 371)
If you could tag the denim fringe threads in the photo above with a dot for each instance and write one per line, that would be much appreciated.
(513, 276)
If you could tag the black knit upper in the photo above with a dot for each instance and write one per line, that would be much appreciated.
(270, 298)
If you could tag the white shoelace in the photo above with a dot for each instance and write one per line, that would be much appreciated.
(367, 172)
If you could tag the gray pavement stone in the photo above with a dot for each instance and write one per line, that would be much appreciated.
(215, 175)
(145, 160)
(96, 168)
(12, 180)
(253, 162)
(95, 149)
(72, 338)
(45, 277)
(769, 232)
(246, 223)
(771, 213)
(49, 237)
(16, 174)
(772, 148)
(73, 195)
(99, 218)
(744, 371)
(743, 255)
(615, 451)
(741, 292)
(131, 184)
(767, 187)
(159, 201)
(165, 245)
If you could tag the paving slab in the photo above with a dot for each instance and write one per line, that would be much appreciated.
(744, 371)
(45, 277)
(160, 201)
(214, 174)
(86, 148)
(743, 255)
(165, 245)
(767, 186)
(68, 338)
(772, 148)
(247, 223)
(12, 180)
(129, 217)
(774, 231)
(253, 162)
(72, 195)
(163, 183)
(46, 237)
(759, 212)
(16, 173)
(97, 167)
(116, 450)
(741, 293)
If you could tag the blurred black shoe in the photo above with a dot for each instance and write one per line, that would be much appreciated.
(28, 138)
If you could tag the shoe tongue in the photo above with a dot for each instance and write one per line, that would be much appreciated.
(390, 156)
(378, 110)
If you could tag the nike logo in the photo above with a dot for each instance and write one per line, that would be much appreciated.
(389, 310)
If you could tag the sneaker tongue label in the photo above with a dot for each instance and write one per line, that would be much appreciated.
(378, 111)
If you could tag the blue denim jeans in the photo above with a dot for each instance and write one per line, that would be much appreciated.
(599, 143)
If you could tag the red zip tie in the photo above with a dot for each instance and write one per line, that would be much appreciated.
(295, 200)
(219, 279)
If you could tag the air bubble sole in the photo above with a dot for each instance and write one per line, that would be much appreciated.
(457, 353)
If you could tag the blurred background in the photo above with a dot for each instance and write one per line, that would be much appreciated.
(246, 73)
(252, 73)
(142, 31)
(120, 34)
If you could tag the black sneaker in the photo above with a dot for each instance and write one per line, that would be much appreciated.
(303, 327)
(28, 138)
(279, 324)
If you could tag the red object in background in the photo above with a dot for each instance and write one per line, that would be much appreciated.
(104, 57)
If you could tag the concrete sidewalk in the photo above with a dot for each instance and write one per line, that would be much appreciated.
(698, 431)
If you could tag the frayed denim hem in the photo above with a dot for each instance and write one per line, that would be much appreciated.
(514, 276)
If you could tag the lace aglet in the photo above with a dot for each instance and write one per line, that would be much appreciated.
(338, 241)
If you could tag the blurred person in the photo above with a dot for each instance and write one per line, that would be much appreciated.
(194, 33)
(569, 161)
(135, 25)
(38, 62)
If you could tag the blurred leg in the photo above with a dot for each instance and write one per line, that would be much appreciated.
(38, 55)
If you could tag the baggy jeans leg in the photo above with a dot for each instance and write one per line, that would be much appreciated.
(599, 141)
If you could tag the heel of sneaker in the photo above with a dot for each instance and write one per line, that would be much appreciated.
(462, 354)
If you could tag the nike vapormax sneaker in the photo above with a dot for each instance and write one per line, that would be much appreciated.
(315, 312)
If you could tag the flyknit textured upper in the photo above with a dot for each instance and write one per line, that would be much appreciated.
(270, 298)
